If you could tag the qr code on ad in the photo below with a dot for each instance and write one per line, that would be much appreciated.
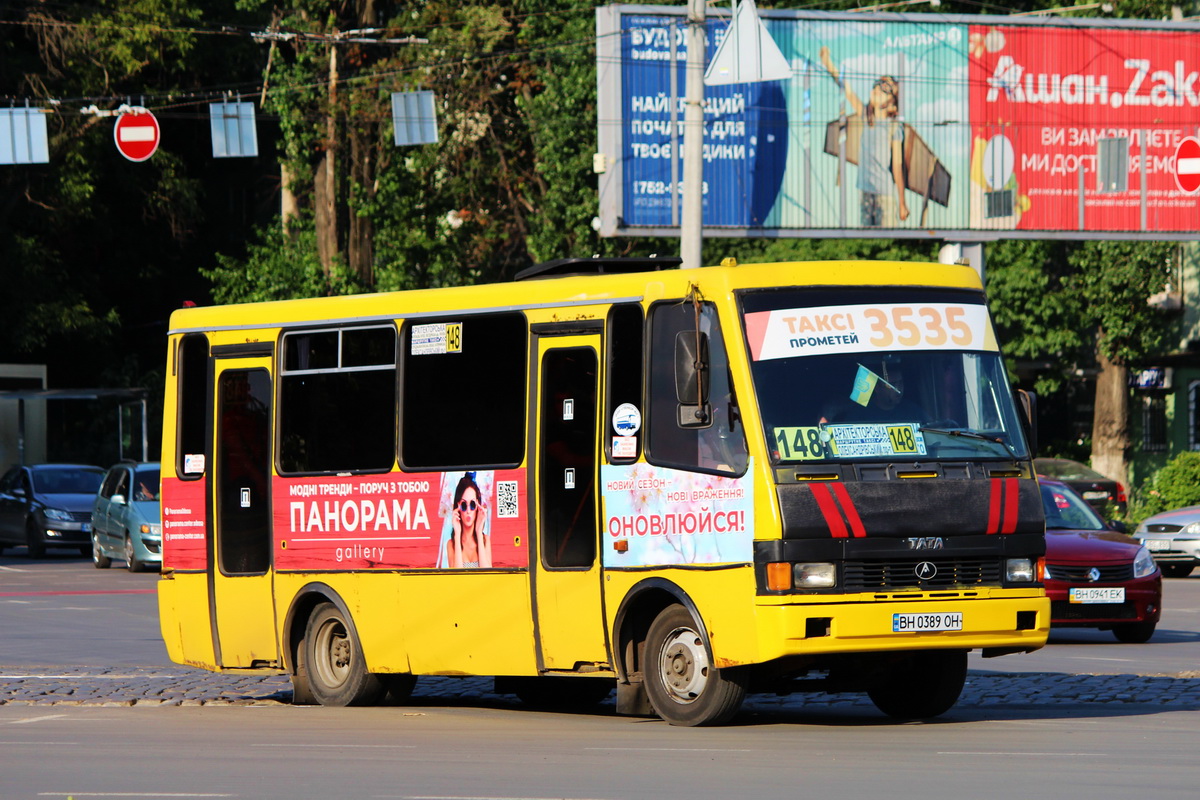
(506, 499)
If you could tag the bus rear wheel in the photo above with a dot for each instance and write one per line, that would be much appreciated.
(333, 658)
(922, 685)
(683, 687)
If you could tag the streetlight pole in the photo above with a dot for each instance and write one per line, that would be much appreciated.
(691, 223)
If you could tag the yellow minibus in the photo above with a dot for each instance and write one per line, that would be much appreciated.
(682, 484)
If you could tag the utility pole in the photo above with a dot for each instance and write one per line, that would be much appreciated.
(691, 224)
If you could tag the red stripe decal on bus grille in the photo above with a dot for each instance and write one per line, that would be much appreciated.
(993, 525)
(843, 498)
(837, 526)
(1012, 494)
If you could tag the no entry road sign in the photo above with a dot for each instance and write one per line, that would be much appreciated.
(1187, 165)
(136, 134)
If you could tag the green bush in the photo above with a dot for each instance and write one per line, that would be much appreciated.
(1174, 486)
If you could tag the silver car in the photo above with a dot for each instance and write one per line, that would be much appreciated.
(126, 520)
(1173, 538)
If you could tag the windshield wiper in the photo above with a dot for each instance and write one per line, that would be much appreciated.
(983, 437)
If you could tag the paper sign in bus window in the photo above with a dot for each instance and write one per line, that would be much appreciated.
(436, 338)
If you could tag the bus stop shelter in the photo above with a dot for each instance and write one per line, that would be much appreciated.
(123, 398)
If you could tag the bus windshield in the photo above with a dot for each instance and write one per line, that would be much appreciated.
(844, 375)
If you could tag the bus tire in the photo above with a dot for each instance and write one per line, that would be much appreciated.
(334, 663)
(922, 685)
(301, 691)
(683, 687)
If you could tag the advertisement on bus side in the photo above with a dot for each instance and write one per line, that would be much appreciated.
(446, 520)
(659, 516)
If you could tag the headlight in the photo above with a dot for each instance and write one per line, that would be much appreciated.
(1191, 527)
(814, 576)
(54, 513)
(153, 529)
(1020, 570)
(1143, 563)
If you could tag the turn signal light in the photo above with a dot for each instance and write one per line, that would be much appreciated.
(779, 576)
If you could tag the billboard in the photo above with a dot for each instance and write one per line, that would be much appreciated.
(960, 127)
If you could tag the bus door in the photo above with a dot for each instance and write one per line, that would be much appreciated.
(567, 596)
(240, 574)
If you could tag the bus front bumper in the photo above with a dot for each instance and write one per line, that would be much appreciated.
(1014, 621)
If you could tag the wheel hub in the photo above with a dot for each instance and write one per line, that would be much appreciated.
(341, 654)
(684, 665)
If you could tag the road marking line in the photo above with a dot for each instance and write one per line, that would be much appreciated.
(1014, 753)
(36, 719)
(65, 608)
(80, 592)
(675, 749)
(91, 677)
(131, 794)
(343, 746)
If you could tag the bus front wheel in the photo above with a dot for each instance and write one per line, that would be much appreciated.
(333, 658)
(683, 687)
(921, 685)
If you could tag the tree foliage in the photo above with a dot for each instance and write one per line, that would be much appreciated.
(1112, 281)
(1174, 486)
(92, 245)
(97, 250)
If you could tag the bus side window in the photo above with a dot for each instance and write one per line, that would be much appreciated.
(463, 391)
(337, 400)
(624, 348)
(719, 445)
(191, 411)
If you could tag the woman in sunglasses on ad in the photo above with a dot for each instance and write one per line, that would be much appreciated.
(470, 543)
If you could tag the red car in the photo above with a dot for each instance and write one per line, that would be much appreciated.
(1095, 576)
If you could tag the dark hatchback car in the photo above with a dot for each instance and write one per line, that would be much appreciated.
(1095, 576)
(48, 505)
(1103, 494)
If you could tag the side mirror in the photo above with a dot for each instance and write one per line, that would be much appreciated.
(117, 499)
(1118, 525)
(1028, 401)
(692, 379)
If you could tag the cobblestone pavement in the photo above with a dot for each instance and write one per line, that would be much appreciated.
(182, 686)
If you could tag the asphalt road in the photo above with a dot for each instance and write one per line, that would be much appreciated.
(450, 750)
(91, 708)
(61, 611)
